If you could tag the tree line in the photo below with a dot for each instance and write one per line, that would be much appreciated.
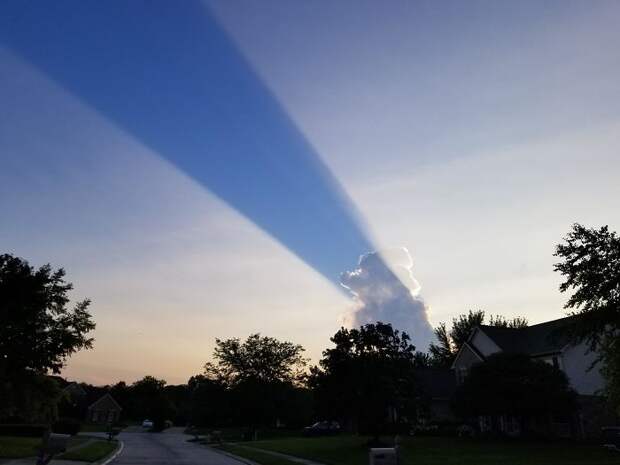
(367, 379)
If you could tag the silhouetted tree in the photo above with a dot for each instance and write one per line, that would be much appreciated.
(449, 342)
(259, 374)
(515, 385)
(423, 360)
(367, 377)
(122, 394)
(591, 268)
(37, 331)
(209, 402)
(29, 398)
(179, 397)
(257, 358)
(149, 400)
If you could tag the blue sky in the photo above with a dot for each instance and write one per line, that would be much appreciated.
(168, 75)
(206, 170)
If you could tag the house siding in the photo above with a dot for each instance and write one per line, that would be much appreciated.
(466, 358)
(576, 363)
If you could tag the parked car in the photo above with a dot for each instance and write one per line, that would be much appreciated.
(147, 424)
(322, 428)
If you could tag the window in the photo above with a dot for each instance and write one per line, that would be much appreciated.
(461, 374)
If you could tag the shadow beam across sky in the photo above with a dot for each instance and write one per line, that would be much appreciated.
(167, 73)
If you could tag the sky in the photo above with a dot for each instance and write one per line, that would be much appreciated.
(208, 170)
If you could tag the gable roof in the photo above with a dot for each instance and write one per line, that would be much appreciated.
(75, 389)
(463, 350)
(543, 338)
(106, 402)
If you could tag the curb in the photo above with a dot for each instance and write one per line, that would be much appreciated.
(112, 456)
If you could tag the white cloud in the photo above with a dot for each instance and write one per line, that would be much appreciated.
(477, 147)
(385, 290)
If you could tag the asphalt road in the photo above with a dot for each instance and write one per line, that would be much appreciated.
(168, 448)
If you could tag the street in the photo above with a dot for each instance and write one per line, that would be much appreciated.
(167, 448)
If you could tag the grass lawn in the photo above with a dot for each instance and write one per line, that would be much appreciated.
(76, 441)
(17, 447)
(88, 428)
(14, 447)
(352, 450)
(257, 456)
(96, 428)
(91, 452)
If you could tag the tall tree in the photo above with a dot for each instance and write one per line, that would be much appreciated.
(260, 376)
(591, 268)
(259, 358)
(450, 341)
(38, 329)
(209, 402)
(366, 377)
(149, 400)
(590, 264)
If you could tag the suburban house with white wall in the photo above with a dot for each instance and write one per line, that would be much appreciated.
(546, 342)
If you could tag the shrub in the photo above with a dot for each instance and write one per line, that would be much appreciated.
(67, 426)
(31, 431)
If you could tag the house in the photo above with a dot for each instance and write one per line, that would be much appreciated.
(549, 343)
(105, 410)
(75, 392)
(437, 386)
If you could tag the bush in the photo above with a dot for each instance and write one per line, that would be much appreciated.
(26, 431)
(436, 428)
(67, 426)
(515, 385)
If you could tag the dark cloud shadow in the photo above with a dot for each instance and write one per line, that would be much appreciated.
(169, 75)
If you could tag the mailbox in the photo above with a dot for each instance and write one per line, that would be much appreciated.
(383, 456)
(112, 432)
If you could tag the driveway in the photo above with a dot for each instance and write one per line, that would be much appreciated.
(167, 448)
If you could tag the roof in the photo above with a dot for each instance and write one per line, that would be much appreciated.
(75, 389)
(59, 380)
(438, 383)
(462, 351)
(543, 338)
(106, 402)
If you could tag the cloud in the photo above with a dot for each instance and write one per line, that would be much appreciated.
(384, 289)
